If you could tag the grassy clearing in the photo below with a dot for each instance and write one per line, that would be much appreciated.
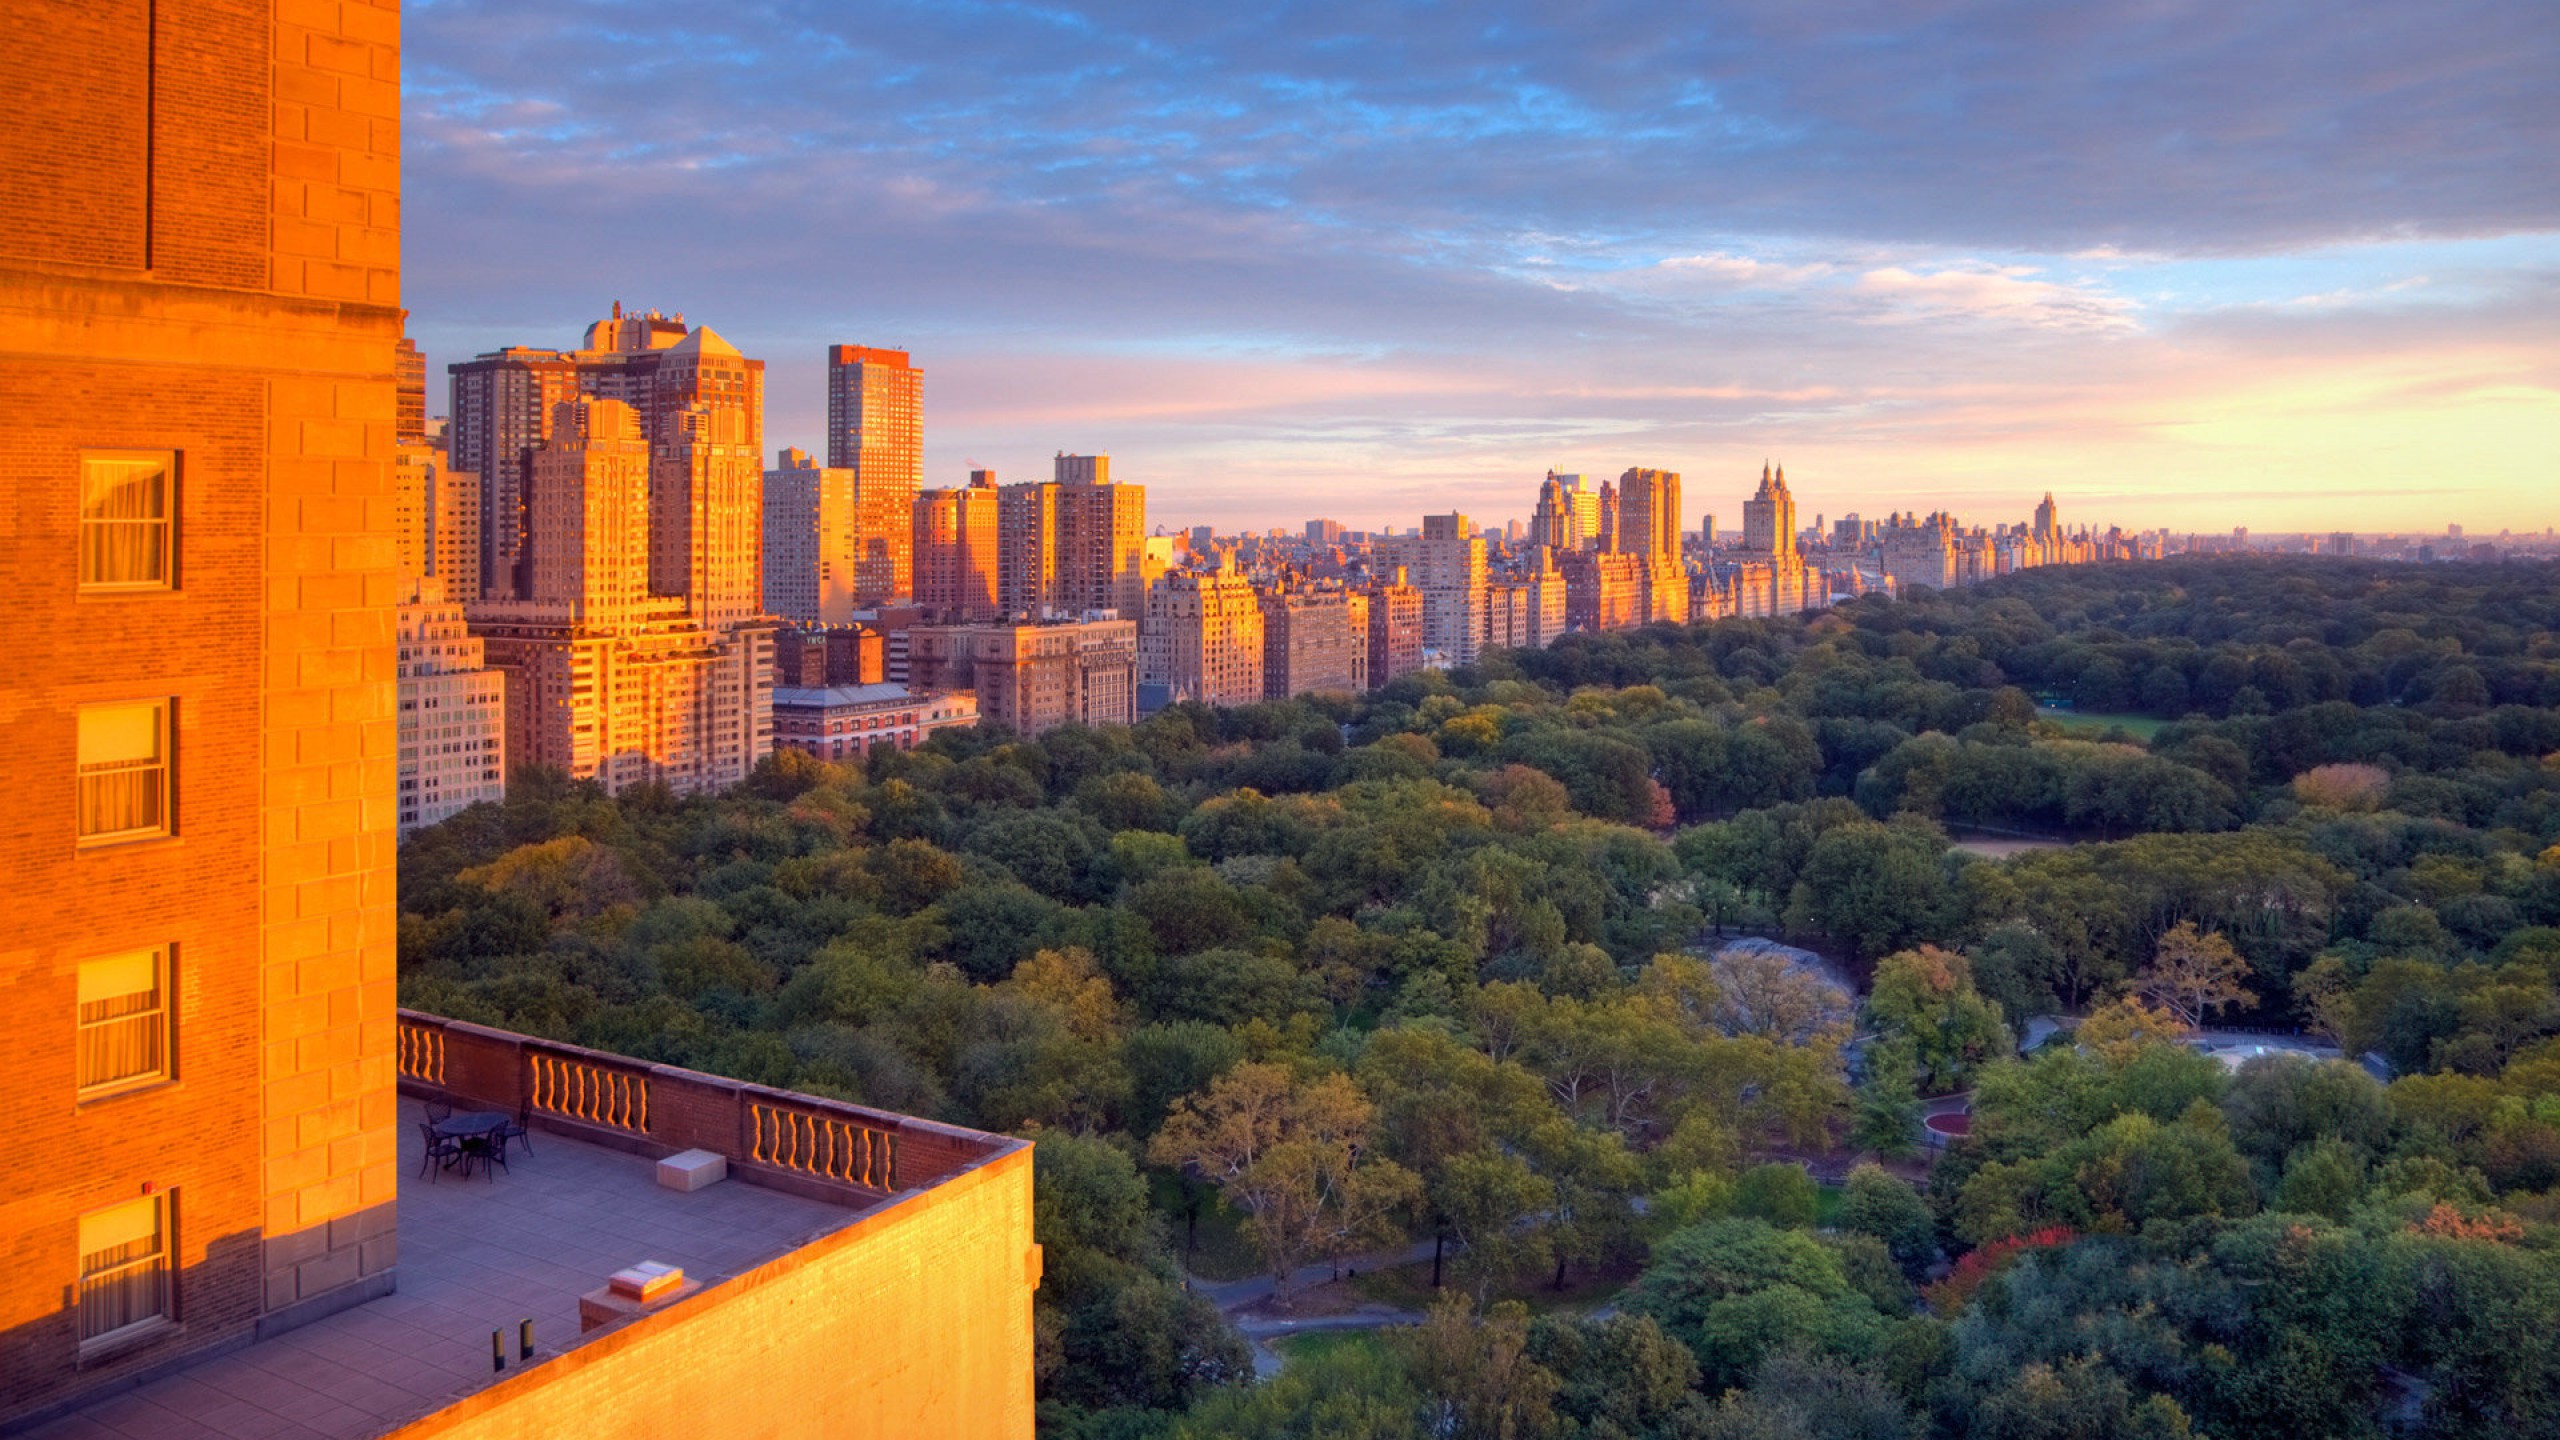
(2082, 722)
(1222, 1252)
(1408, 1287)
(1326, 1342)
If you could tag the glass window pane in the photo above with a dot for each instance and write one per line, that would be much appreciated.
(127, 512)
(123, 488)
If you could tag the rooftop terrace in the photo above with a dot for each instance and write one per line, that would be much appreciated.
(483, 1254)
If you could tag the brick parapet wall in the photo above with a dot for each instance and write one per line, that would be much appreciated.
(658, 1110)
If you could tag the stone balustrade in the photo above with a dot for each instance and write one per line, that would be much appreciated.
(824, 1149)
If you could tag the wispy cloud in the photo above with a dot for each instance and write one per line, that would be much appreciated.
(1380, 251)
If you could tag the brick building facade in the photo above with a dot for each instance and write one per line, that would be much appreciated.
(199, 275)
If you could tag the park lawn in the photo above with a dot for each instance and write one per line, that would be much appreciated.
(1223, 1251)
(1827, 1200)
(2140, 727)
(1408, 1287)
(1313, 1343)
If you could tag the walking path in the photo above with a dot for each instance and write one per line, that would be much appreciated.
(1233, 1296)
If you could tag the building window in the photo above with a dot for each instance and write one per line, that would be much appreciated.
(124, 1021)
(124, 1269)
(128, 520)
(124, 771)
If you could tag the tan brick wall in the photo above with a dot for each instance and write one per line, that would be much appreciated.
(911, 1324)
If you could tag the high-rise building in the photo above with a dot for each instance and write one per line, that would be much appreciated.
(1324, 533)
(1395, 628)
(453, 711)
(1585, 500)
(504, 402)
(1314, 640)
(1604, 589)
(199, 262)
(1554, 524)
(1202, 638)
(409, 366)
(957, 550)
(1073, 545)
(608, 678)
(875, 428)
(811, 546)
(1771, 577)
(1033, 677)
(1446, 563)
(1648, 528)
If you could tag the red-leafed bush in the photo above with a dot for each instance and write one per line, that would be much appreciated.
(1953, 1293)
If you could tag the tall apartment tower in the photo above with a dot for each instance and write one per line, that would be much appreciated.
(504, 401)
(1554, 525)
(453, 711)
(1395, 629)
(200, 281)
(1649, 514)
(1073, 545)
(1202, 638)
(875, 428)
(410, 369)
(1769, 518)
(810, 543)
(1446, 563)
(608, 677)
(956, 550)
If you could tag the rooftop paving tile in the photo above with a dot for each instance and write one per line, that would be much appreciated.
(476, 1255)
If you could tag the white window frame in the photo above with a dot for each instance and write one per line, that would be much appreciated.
(165, 1316)
(166, 522)
(158, 1017)
(165, 766)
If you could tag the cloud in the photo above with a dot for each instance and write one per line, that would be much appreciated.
(2002, 293)
(1386, 252)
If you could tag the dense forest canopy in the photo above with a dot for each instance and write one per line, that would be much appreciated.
(1447, 962)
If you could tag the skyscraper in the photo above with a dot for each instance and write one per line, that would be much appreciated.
(609, 678)
(956, 550)
(809, 541)
(504, 402)
(1446, 563)
(453, 711)
(1074, 544)
(875, 428)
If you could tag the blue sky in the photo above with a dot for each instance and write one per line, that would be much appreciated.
(2193, 264)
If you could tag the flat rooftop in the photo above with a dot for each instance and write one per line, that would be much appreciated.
(476, 1255)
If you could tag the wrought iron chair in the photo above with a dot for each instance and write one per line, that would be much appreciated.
(520, 1129)
(442, 1150)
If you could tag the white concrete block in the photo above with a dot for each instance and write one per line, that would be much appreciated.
(693, 1169)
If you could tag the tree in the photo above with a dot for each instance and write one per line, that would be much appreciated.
(1873, 1202)
(1476, 1374)
(1888, 1113)
(1779, 1193)
(1926, 997)
(2194, 973)
(1295, 1157)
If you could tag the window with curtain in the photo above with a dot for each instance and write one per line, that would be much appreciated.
(124, 1020)
(128, 520)
(124, 771)
(124, 1268)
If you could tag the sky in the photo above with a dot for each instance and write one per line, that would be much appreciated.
(2290, 264)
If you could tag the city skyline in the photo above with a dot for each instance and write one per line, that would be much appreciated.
(2192, 270)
